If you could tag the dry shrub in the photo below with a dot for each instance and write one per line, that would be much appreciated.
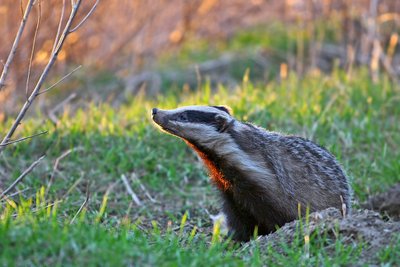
(129, 34)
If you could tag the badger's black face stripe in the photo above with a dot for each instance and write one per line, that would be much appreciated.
(224, 109)
(195, 116)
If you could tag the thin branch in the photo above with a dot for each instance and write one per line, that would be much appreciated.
(23, 138)
(57, 162)
(86, 17)
(59, 81)
(83, 204)
(130, 191)
(134, 176)
(22, 176)
(59, 27)
(47, 206)
(33, 47)
(42, 78)
(40, 208)
(16, 193)
(52, 112)
(74, 186)
(15, 44)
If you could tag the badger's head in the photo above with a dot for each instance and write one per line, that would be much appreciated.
(196, 124)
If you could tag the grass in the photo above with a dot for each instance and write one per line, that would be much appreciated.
(38, 238)
(353, 117)
(391, 254)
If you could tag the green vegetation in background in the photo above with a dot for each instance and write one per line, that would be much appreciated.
(274, 42)
(275, 37)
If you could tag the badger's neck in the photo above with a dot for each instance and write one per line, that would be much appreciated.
(216, 174)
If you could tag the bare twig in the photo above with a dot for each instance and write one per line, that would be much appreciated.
(23, 138)
(60, 80)
(52, 112)
(46, 207)
(19, 179)
(134, 176)
(40, 208)
(86, 17)
(59, 27)
(75, 184)
(15, 44)
(35, 92)
(57, 162)
(130, 191)
(83, 204)
(33, 47)
(16, 193)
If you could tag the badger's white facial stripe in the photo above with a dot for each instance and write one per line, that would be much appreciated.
(190, 117)
(198, 108)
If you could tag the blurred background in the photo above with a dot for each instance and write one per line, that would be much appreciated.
(134, 46)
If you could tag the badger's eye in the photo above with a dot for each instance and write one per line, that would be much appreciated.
(182, 117)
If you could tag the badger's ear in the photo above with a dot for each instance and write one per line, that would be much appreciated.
(223, 122)
(224, 108)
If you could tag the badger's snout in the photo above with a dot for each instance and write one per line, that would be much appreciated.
(159, 117)
(155, 116)
(162, 119)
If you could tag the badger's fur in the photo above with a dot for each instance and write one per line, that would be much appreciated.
(264, 177)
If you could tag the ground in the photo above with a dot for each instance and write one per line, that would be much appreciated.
(362, 228)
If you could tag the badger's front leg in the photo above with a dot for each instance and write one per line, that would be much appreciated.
(240, 223)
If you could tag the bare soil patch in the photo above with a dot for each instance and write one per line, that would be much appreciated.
(387, 203)
(366, 226)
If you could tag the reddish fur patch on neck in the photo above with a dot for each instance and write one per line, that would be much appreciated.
(216, 175)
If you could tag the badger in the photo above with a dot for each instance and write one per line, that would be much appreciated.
(265, 178)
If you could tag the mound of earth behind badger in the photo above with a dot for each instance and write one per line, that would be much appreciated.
(387, 202)
(263, 176)
(364, 227)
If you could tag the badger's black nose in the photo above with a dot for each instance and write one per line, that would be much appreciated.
(154, 111)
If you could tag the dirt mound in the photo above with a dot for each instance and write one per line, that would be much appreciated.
(361, 226)
(387, 203)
